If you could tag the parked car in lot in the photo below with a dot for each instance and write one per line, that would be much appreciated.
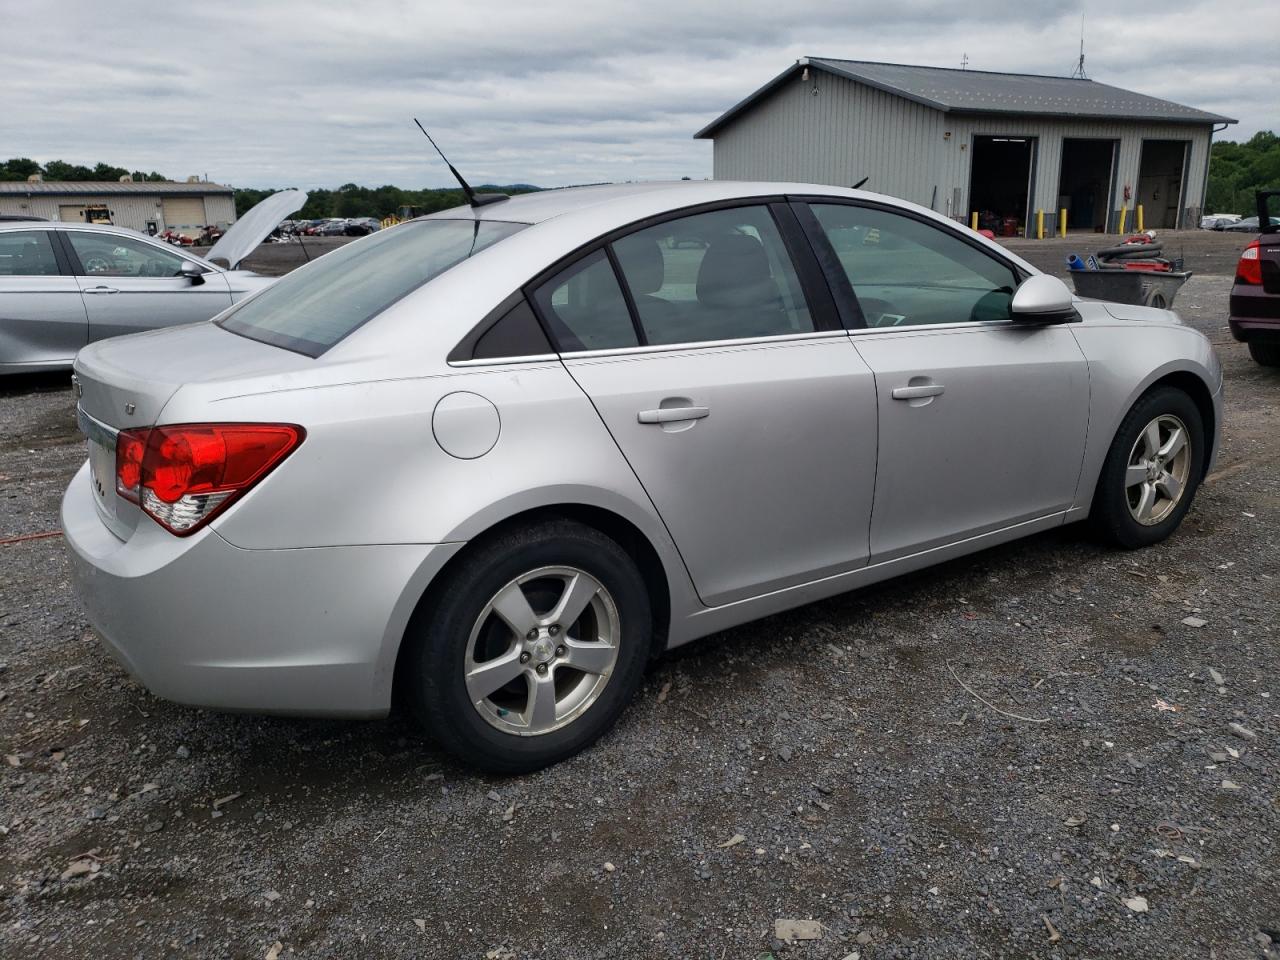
(63, 285)
(1255, 295)
(492, 461)
(362, 226)
(1218, 221)
(333, 228)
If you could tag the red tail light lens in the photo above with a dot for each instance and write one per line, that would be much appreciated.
(185, 474)
(1249, 269)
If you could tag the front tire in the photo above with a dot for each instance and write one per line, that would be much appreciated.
(1152, 470)
(530, 648)
(1265, 354)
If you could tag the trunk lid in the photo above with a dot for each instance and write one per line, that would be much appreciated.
(1269, 239)
(124, 383)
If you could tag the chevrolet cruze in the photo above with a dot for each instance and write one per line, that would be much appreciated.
(489, 462)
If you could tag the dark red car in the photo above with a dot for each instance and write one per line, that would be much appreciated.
(1255, 296)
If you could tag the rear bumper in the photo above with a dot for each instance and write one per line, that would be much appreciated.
(1255, 314)
(201, 622)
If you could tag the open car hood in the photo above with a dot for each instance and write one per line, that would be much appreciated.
(250, 230)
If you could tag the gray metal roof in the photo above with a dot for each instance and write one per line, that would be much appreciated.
(81, 188)
(981, 91)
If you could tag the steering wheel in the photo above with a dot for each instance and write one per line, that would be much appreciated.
(97, 265)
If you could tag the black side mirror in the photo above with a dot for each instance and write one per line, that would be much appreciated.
(192, 272)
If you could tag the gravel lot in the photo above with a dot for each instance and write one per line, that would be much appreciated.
(833, 764)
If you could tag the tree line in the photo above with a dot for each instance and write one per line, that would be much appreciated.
(349, 200)
(1238, 170)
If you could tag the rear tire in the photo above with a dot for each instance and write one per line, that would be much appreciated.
(465, 640)
(1152, 470)
(1265, 354)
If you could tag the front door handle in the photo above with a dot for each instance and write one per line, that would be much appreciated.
(672, 414)
(101, 289)
(918, 391)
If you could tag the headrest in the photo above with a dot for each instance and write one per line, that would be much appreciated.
(642, 263)
(735, 273)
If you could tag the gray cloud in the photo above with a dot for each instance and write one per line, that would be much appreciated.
(318, 94)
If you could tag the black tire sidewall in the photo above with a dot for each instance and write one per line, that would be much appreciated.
(1111, 505)
(436, 686)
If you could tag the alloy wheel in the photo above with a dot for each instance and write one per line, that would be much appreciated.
(542, 650)
(1158, 470)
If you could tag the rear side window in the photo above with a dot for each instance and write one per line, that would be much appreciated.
(722, 275)
(584, 307)
(27, 253)
(314, 307)
(905, 272)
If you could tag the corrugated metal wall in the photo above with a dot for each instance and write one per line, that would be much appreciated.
(835, 131)
(131, 211)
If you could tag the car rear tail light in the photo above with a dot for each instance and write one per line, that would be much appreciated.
(185, 474)
(1249, 269)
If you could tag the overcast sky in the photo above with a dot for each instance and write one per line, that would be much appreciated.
(550, 92)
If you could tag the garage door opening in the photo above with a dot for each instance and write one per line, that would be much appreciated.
(1000, 183)
(1086, 185)
(1161, 175)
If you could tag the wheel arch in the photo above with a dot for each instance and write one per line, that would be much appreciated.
(623, 530)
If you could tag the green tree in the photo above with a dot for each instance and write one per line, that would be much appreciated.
(61, 170)
(1238, 170)
(18, 168)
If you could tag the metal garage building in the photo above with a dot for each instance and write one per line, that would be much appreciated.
(151, 206)
(1004, 145)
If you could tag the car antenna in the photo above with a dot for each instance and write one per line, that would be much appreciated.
(473, 198)
(860, 183)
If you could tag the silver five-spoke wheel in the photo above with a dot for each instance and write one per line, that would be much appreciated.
(1159, 465)
(542, 650)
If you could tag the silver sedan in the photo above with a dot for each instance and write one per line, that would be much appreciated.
(63, 285)
(490, 462)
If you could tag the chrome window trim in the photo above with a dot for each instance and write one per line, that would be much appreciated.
(704, 345)
(500, 361)
(959, 325)
(655, 348)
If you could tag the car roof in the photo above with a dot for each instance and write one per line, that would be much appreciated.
(542, 205)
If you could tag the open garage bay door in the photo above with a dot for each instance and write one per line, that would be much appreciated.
(1161, 175)
(1087, 183)
(1000, 183)
(185, 215)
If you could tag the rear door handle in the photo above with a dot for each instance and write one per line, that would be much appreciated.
(672, 414)
(917, 392)
(101, 289)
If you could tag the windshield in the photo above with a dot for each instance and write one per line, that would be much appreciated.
(310, 310)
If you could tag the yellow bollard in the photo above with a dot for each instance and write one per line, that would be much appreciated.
(973, 222)
(1039, 224)
(1062, 221)
(1124, 212)
(1138, 210)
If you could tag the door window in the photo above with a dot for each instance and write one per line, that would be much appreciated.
(27, 253)
(722, 275)
(584, 307)
(905, 272)
(109, 255)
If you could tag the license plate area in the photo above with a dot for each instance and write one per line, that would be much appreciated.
(102, 471)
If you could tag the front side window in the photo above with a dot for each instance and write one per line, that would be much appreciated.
(905, 272)
(722, 275)
(108, 255)
(312, 308)
(27, 253)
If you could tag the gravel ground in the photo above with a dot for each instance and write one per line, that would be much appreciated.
(1032, 752)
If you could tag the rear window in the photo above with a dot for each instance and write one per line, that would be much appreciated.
(311, 309)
